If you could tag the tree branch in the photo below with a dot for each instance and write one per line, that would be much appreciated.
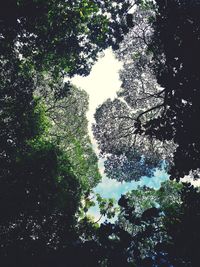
(148, 110)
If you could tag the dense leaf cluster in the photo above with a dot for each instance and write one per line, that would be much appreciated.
(59, 35)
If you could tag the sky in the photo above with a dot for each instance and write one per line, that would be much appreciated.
(103, 83)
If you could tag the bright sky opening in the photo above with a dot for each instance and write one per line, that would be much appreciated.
(102, 83)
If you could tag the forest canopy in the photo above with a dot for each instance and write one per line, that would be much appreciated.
(48, 167)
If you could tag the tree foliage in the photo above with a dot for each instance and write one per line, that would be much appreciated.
(154, 228)
(144, 210)
(154, 104)
(131, 153)
(39, 191)
(176, 56)
(61, 36)
(66, 107)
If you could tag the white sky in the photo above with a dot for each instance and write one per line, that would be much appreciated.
(102, 83)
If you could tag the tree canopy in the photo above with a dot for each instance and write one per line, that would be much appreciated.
(176, 56)
(66, 107)
(154, 228)
(59, 35)
(48, 168)
(159, 80)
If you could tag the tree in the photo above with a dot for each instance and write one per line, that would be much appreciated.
(130, 166)
(155, 81)
(173, 31)
(154, 228)
(182, 227)
(61, 36)
(133, 239)
(139, 89)
(175, 59)
(40, 195)
(144, 212)
(66, 107)
(130, 153)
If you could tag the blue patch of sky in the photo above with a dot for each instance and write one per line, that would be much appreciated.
(110, 188)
